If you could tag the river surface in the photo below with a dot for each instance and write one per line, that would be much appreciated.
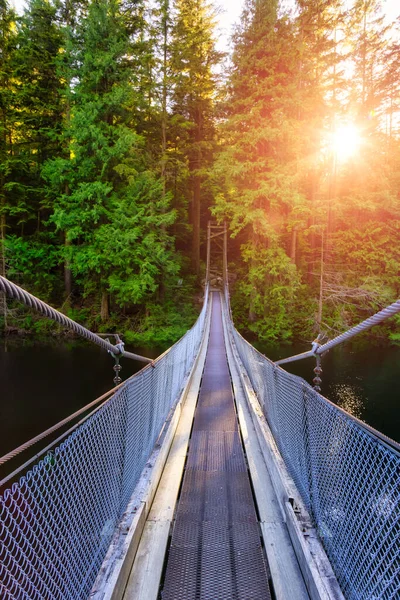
(41, 383)
(362, 378)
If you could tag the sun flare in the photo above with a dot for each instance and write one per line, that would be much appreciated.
(346, 141)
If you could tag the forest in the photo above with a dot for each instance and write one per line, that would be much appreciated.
(123, 131)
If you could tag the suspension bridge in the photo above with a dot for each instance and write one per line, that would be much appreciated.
(211, 474)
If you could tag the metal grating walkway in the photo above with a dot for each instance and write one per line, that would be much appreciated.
(216, 551)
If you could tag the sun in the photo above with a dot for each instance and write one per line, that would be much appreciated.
(345, 141)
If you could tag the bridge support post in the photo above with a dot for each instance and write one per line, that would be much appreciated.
(208, 253)
(225, 256)
(217, 252)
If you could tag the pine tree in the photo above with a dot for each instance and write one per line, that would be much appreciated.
(322, 58)
(389, 89)
(37, 100)
(7, 42)
(70, 12)
(34, 102)
(355, 190)
(259, 162)
(367, 32)
(113, 203)
(193, 58)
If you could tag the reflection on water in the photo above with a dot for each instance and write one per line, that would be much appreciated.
(349, 397)
(362, 378)
(41, 383)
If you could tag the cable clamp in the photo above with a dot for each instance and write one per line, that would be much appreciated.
(317, 344)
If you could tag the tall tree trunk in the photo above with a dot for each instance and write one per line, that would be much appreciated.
(164, 114)
(311, 223)
(196, 164)
(67, 272)
(254, 255)
(3, 298)
(164, 118)
(321, 287)
(364, 60)
(67, 243)
(312, 253)
(331, 199)
(293, 245)
(196, 225)
(105, 307)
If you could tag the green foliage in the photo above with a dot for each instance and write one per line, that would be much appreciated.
(38, 111)
(193, 59)
(33, 262)
(295, 206)
(268, 291)
(394, 336)
(108, 166)
(162, 325)
(113, 211)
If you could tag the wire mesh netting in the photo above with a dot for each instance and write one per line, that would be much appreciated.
(349, 479)
(57, 522)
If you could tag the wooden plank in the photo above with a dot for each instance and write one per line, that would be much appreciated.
(214, 235)
(267, 502)
(321, 582)
(286, 575)
(145, 577)
(113, 577)
(317, 572)
(288, 581)
(144, 580)
(164, 502)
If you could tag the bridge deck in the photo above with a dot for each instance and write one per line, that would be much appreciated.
(216, 549)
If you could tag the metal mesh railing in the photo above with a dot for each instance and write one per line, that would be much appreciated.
(57, 522)
(349, 479)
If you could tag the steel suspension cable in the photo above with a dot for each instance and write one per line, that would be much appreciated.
(318, 349)
(384, 314)
(17, 293)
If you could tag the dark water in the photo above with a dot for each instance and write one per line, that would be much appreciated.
(42, 383)
(361, 378)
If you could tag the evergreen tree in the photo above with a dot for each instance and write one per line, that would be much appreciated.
(69, 14)
(112, 206)
(107, 143)
(33, 138)
(7, 117)
(364, 213)
(322, 77)
(194, 92)
(389, 89)
(37, 100)
(367, 32)
(259, 161)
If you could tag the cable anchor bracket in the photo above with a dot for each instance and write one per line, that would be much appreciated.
(117, 367)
